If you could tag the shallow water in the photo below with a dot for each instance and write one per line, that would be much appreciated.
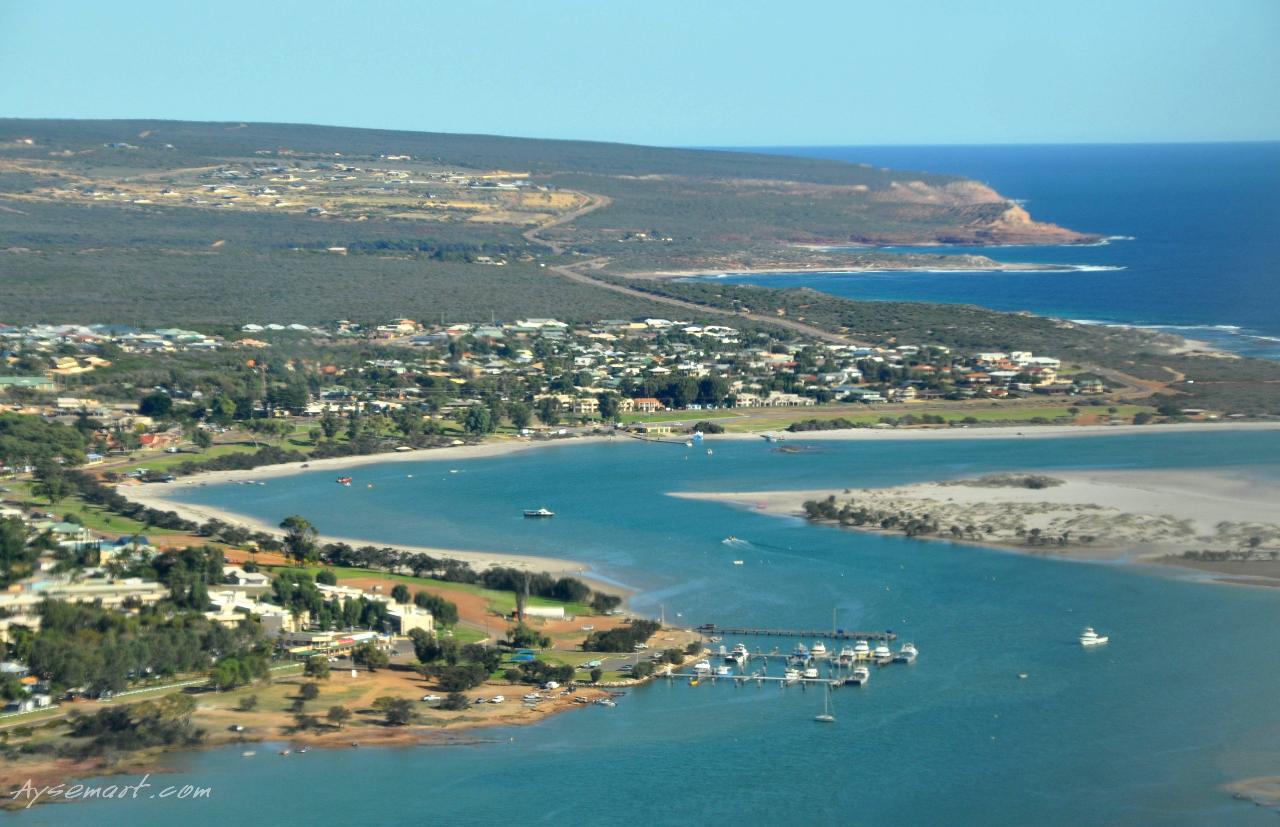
(1142, 731)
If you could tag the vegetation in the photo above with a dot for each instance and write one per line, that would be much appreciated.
(623, 638)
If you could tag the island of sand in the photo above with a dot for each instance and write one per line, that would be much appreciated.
(1214, 522)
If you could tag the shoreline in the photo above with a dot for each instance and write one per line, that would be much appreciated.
(1144, 519)
(802, 269)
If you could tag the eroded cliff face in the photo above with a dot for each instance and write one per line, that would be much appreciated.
(961, 212)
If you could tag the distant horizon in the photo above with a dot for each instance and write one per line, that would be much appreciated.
(707, 147)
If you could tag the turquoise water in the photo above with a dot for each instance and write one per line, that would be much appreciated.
(1143, 731)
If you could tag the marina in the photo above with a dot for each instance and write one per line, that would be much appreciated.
(709, 630)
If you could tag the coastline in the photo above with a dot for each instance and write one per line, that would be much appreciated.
(1142, 518)
(808, 269)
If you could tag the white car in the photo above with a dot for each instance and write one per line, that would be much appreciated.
(431, 698)
(497, 699)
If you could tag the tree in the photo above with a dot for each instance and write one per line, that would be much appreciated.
(51, 482)
(327, 577)
(478, 420)
(309, 692)
(370, 657)
(317, 667)
(609, 406)
(16, 556)
(454, 702)
(596, 674)
(400, 593)
(339, 715)
(549, 410)
(513, 675)
(520, 415)
(425, 647)
(155, 405)
(247, 703)
(299, 539)
(329, 424)
(396, 711)
(202, 439)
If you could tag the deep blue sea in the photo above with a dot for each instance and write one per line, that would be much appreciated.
(1141, 732)
(1200, 225)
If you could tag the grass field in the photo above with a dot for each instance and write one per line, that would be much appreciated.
(503, 603)
(1053, 413)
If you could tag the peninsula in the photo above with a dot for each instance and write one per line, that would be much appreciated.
(1221, 524)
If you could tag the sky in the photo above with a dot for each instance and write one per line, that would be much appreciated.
(739, 73)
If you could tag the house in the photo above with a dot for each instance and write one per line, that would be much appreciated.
(240, 577)
(646, 405)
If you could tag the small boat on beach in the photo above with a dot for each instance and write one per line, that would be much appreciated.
(539, 512)
(1091, 638)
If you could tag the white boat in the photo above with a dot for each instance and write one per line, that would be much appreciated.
(826, 717)
(861, 650)
(539, 512)
(740, 654)
(1091, 638)
(882, 652)
(907, 654)
(845, 658)
(724, 671)
(819, 649)
(791, 676)
(811, 673)
(702, 667)
(861, 675)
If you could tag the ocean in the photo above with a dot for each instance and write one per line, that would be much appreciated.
(1143, 731)
(1194, 236)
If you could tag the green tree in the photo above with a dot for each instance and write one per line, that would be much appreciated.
(478, 420)
(609, 406)
(370, 657)
(338, 715)
(308, 692)
(548, 409)
(317, 667)
(596, 674)
(155, 405)
(202, 439)
(455, 702)
(299, 539)
(329, 424)
(520, 415)
(400, 593)
(51, 482)
(396, 711)
(248, 703)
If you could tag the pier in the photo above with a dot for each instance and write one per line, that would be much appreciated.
(708, 629)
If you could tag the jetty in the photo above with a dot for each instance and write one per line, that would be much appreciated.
(709, 629)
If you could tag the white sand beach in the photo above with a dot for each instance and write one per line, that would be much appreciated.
(1138, 516)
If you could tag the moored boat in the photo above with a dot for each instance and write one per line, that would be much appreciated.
(907, 654)
(1091, 638)
(861, 675)
(819, 649)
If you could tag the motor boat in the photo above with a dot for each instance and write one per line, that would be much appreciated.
(819, 649)
(1091, 638)
(907, 654)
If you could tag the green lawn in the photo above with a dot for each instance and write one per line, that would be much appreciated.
(164, 462)
(680, 416)
(503, 603)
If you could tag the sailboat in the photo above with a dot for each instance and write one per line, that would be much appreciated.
(826, 717)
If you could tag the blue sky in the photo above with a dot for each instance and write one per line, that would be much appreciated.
(671, 73)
